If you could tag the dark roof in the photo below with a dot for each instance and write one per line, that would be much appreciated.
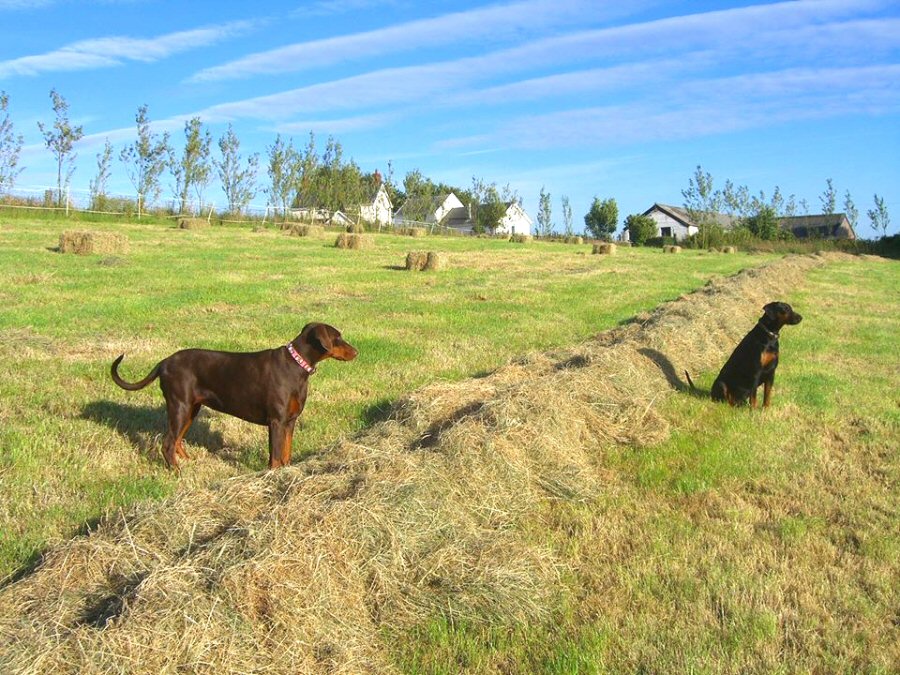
(457, 217)
(682, 216)
(822, 225)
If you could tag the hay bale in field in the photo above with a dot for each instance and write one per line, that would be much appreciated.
(521, 238)
(356, 228)
(436, 261)
(729, 249)
(353, 241)
(89, 243)
(605, 248)
(574, 240)
(306, 230)
(192, 223)
(415, 260)
(412, 231)
(671, 249)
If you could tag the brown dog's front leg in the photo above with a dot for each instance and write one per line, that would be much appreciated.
(279, 434)
(767, 393)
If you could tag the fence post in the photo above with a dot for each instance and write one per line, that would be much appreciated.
(67, 201)
(139, 205)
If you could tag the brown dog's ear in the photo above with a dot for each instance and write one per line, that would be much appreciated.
(322, 335)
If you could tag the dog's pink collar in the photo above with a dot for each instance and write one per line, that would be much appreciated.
(303, 363)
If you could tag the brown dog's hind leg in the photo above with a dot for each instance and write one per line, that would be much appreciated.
(180, 418)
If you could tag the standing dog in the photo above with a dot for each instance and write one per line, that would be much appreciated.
(754, 360)
(267, 387)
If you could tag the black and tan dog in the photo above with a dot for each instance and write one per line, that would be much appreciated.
(754, 360)
(267, 387)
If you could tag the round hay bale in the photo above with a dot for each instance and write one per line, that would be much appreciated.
(355, 228)
(729, 249)
(436, 261)
(673, 249)
(520, 238)
(415, 260)
(412, 231)
(352, 241)
(574, 240)
(604, 249)
(192, 223)
(306, 230)
(90, 243)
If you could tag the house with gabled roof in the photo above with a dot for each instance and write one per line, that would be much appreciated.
(676, 222)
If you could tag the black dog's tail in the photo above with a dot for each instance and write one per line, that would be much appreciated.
(132, 386)
(690, 381)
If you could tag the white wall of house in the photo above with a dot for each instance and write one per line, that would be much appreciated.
(666, 226)
(516, 221)
(380, 211)
(451, 201)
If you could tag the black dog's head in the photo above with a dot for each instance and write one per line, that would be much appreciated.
(780, 314)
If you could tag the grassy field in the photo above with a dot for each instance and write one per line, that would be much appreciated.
(763, 542)
(73, 446)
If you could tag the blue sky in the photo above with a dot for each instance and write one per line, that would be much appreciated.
(584, 97)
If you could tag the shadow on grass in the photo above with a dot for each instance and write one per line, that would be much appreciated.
(145, 428)
(672, 377)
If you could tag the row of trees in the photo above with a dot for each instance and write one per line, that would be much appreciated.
(298, 177)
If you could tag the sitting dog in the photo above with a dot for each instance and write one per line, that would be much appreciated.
(267, 387)
(754, 360)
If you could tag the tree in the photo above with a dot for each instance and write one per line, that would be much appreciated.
(10, 146)
(60, 139)
(98, 183)
(640, 228)
(603, 218)
(879, 216)
(194, 166)
(282, 172)
(764, 223)
(419, 196)
(828, 198)
(702, 203)
(490, 205)
(851, 210)
(145, 159)
(238, 180)
(545, 214)
(567, 216)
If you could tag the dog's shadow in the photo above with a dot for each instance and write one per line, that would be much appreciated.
(672, 377)
(145, 426)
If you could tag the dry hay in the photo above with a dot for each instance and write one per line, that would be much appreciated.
(306, 569)
(520, 238)
(88, 243)
(411, 231)
(415, 260)
(671, 249)
(729, 249)
(353, 241)
(192, 223)
(436, 262)
(306, 230)
(604, 249)
(574, 240)
(355, 228)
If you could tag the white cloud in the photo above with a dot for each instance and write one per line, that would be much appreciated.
(112, 51)
(494, 22)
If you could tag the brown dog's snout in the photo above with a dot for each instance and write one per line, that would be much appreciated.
(344, 351)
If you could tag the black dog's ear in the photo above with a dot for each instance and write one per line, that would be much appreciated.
(771, 309)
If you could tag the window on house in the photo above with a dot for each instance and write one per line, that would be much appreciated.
(665, 232)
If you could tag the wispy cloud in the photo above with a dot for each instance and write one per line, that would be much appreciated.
(708, 107)
(113, 51)
(494, 22)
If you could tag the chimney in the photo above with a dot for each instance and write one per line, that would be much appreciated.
(377, 177)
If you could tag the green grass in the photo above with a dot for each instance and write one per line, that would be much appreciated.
(74, 446)
(758, 541)
(749, 541)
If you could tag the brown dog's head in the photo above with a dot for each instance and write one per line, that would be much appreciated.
(327, 340)
(781, 314)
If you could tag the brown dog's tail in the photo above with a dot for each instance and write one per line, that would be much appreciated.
(132, 386)
(690, 381)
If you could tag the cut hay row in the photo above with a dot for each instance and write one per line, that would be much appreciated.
(301, 569)
(192, 223)
(92, 243)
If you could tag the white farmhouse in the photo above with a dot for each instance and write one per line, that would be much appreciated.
(514, 221)
(379, 209)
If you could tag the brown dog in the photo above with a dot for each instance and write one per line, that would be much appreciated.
(267, 387)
